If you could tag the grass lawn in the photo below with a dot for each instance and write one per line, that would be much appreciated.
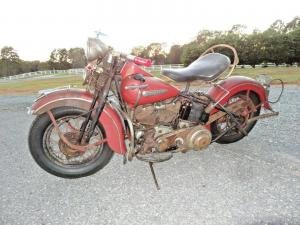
(33, 86)
(290, 75)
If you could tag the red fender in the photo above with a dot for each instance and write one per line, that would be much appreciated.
(110, 119)
(237, 84)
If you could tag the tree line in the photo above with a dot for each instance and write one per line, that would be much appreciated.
(59, 59)
(278, 44)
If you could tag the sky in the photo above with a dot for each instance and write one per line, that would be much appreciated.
(35, 27)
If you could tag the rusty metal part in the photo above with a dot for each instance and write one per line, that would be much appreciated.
(185, 139)
(153, 116)
(223, 133)
(159, 113)
(72, 146)
(72, 137)
(155, 157)
(149, 142)
(235, 107)
(201, 98)
(263, 116)
(185, 124)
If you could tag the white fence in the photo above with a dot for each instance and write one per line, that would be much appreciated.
(54, 73)
(161, 67)
(43, 74)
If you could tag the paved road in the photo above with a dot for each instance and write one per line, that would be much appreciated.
(255, 181)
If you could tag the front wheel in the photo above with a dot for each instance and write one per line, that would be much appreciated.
(52, 154)
(222, 125)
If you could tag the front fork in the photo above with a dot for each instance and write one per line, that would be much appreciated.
(101, 97)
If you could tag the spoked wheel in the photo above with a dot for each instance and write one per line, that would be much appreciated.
(55, 156)
(250, 109)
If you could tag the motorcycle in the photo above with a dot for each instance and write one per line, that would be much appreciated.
(126, 110)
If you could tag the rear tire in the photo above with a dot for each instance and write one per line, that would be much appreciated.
(43, 153)
(235, 136)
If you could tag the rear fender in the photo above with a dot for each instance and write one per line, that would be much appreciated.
(110, 119)
(235, 85)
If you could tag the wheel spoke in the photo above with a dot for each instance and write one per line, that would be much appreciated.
(58, 150)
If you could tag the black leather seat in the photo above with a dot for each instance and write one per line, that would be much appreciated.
(207, 68)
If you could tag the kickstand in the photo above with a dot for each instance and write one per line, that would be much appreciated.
(153, 175)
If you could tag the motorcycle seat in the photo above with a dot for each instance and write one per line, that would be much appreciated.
(207, 68)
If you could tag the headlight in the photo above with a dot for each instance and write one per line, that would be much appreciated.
(95, 49)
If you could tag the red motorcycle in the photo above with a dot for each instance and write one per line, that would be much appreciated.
(126, 110)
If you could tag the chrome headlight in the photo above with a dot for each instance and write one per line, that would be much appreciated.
(95, 49)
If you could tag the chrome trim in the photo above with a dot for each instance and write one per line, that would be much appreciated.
(51, 90)
(132, 87)
(154, 92)
(60, 99)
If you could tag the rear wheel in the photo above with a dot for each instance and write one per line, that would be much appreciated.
(252, 109)
(54, 156)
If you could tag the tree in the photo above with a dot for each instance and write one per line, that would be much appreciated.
(293, 25)
(237, 29)
(190, 52)
(174, 55)
(43, 66)
(29, 66)
(276, 47)
(294, 47)
(139, 51)
(253, 49)
(206, 35)
(278, 26)
(77, 57)
(9, 61)
(59, 59)
(155, 52)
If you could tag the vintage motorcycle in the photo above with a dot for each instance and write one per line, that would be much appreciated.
(126, 110)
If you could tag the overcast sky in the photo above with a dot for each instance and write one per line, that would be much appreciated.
(35, 27)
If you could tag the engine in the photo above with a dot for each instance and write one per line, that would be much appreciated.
(163, 113)
(196, 138)
(171, 124)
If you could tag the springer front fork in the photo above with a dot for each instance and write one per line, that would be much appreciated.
(88, 126)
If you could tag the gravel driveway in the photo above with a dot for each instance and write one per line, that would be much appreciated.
(254, 181)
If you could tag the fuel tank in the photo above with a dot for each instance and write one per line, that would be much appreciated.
(135, 92)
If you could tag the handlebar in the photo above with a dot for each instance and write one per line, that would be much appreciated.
(140, 61)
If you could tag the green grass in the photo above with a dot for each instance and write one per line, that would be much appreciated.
(290, 75)
(33, 86)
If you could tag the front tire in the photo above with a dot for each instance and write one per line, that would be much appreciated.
(47, 151)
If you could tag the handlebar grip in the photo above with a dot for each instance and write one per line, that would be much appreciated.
(140, 61)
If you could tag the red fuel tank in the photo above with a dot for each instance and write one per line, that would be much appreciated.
(135, 92)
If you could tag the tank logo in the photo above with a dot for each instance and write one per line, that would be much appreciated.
(154, 92)
(131, 87)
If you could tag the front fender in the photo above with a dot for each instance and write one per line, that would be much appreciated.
(110, 119)
(237, 84)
